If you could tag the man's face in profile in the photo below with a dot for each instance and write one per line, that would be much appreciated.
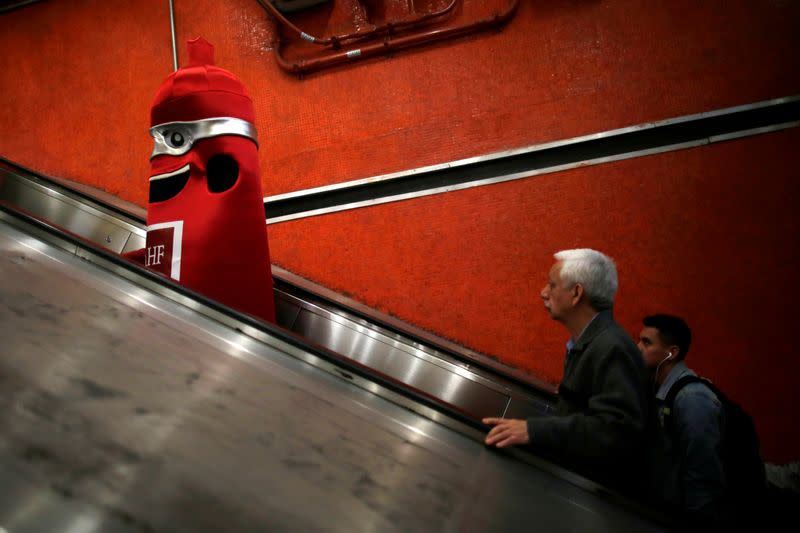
(653, 350)
(557, 297)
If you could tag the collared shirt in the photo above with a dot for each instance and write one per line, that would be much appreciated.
(678, 371)
(571, 343)
(686, 464)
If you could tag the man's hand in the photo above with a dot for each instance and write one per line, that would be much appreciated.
(506, 432)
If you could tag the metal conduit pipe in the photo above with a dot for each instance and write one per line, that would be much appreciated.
(336, 40)
(391, 45)
(172, 33)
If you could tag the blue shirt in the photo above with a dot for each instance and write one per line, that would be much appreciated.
(687, 470)
(571, 343)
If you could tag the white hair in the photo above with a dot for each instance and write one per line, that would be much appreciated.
(595, 271)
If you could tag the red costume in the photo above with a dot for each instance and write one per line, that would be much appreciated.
(205, 215)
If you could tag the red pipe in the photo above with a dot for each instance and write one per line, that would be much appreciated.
(336, 40)
(391, 45)
(390, 27)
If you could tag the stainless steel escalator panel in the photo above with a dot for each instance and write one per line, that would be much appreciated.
(68, 213)
(359, 326)
(25, 189)
(395, 361)
(440, 347)
(440, 375)
(124, 410)
(135, 242)
(398, 356)
(286, 310)
(104, 226)
(522, 406)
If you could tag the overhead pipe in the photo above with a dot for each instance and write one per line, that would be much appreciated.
(337, 40)
(391, 45)
(17, 5)
(390, 27)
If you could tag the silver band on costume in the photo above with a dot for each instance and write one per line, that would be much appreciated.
(176, 138)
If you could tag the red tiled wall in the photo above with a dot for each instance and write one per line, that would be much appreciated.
(78, 78)
(708, 233)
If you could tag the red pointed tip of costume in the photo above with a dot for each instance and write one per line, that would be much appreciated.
(201, 52)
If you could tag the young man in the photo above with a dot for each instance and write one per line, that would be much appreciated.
(599, 426)
(685, 463)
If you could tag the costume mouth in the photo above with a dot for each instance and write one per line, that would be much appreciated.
(168, 185)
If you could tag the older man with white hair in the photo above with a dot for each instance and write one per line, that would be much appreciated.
(599, 425)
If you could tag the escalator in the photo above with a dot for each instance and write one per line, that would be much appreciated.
(130, 403)
(470, 382)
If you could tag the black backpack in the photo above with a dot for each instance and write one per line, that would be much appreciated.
(741, 455)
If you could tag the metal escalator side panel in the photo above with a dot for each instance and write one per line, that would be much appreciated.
(454, 385)
(291, 343)
(79, 219)
(466, 395)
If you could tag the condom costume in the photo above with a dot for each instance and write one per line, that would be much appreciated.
(206, 226)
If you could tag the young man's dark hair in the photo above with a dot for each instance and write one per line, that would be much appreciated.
(673, 331)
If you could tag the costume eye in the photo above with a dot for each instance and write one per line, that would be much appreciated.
(222, 171)
(176, 139)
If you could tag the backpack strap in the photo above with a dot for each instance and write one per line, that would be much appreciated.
(669, 401)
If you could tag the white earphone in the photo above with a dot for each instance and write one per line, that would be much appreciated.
(658, 368)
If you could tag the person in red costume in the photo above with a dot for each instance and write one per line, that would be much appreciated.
(206, 226)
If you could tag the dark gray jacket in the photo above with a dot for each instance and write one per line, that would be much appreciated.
(600, 422)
